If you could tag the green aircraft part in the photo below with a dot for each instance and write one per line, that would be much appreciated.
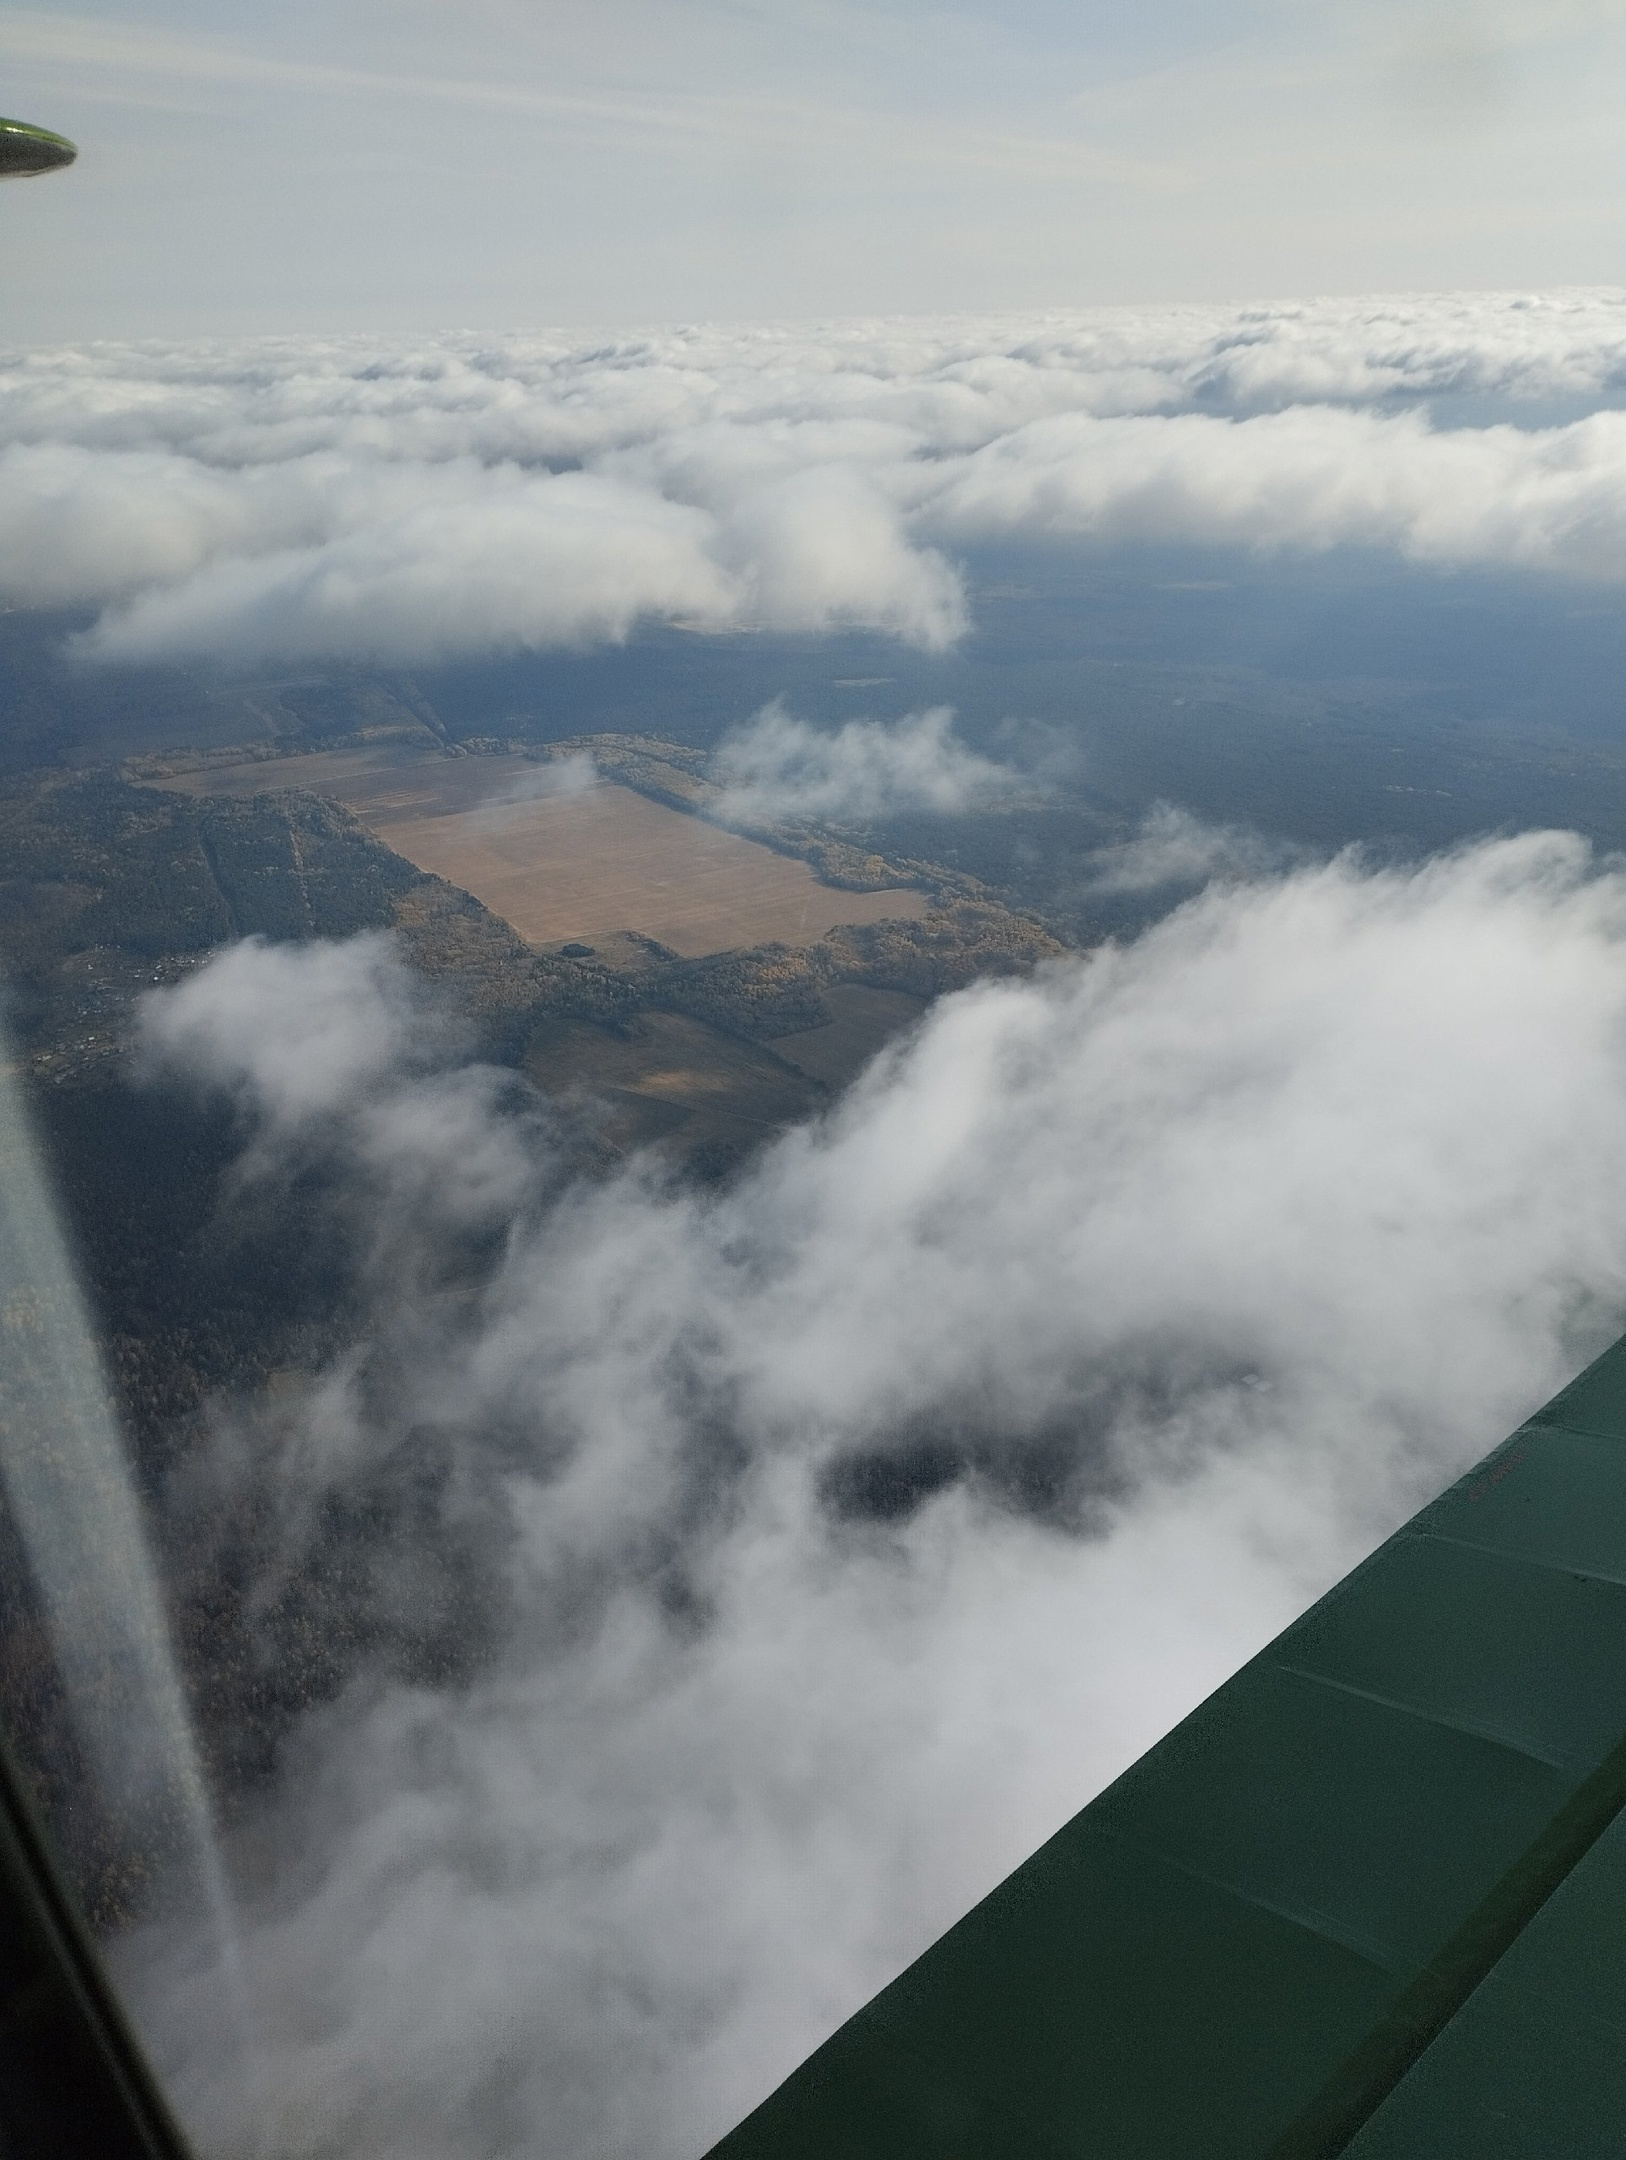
(1368, 1899)
(26, 151)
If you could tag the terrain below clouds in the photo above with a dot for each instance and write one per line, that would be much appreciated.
(716, 1591)
(832, 1088)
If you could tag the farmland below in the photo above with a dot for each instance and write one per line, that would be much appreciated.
(671, 988)
(118, 881)
(565, 857)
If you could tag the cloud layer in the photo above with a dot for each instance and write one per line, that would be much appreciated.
(836, 1535)
(412, 500)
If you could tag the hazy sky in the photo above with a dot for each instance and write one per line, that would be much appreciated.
(376, 164)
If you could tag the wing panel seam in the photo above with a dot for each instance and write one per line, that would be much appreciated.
(1433, 1717)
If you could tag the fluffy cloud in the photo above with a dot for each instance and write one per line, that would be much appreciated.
(778, 769)
(1310, 478)
(292, 1030)
(841, 1531)
(456, 494)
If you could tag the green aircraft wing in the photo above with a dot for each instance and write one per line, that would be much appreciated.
(26, 151)
(1368, 1899)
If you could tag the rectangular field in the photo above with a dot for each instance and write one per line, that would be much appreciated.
(579, 864)
(862, 1022)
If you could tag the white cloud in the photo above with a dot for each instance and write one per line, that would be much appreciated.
(455, 494)
(1309, 478)
(295, 1031)
(1171, 1279)
(459, 561)
(780, 769)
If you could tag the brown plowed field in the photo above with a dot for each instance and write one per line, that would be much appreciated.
(578, 865)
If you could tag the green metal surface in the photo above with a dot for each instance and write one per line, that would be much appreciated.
(1307, 1917)
(1535, 2061)
(26, 151)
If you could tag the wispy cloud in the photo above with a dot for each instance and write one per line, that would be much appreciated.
(127, 60)
(573, 774)
(1172, 849)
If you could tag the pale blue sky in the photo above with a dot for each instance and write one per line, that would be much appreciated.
(378, 164)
